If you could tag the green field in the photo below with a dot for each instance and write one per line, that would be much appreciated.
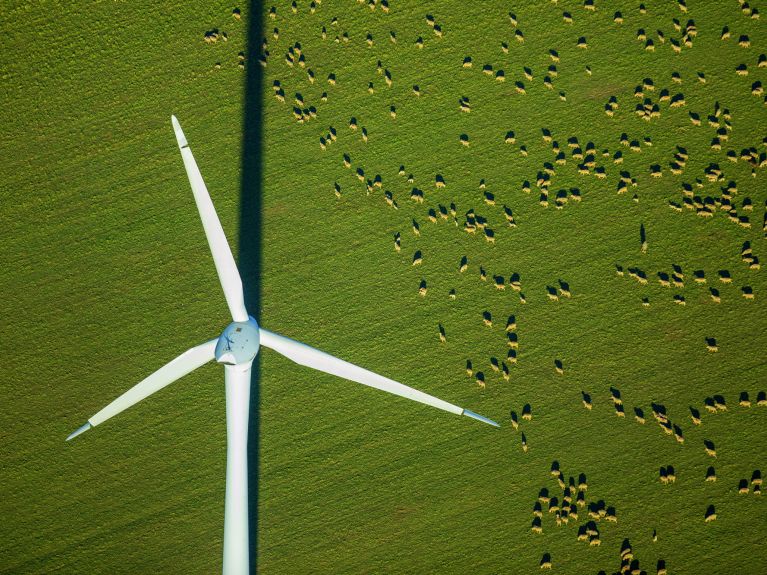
(106, 276)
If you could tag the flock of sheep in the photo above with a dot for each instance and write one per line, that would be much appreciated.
(705, 193)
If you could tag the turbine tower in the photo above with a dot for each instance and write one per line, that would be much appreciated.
(236, 348)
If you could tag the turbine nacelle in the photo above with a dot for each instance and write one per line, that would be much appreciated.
(238, 343)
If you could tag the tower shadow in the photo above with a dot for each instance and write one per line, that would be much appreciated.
(250, 244)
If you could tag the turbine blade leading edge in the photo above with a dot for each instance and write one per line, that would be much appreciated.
(219, 247)
(303, 354)
(186, 363)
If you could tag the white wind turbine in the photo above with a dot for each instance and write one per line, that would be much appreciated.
(236, 348)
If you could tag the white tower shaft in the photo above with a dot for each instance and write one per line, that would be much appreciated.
(236, 539)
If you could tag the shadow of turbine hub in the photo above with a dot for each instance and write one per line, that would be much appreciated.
(238, 343)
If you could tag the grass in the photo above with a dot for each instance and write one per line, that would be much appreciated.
(106, 276)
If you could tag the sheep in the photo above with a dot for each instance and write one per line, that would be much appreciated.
(586, 399)
(756, 477)
(524, 443)
(639, 415)
(695, 416)
(761, 399)
(709, 447)
(499, 283)
(711, 345)
(710, 514)
(536, 525)
(397, 238)
(482, 274)
(743, 487)
(469, 368)
(546, 561)
(480, 379)
(527, 412)
(422, 288)
(747, 292)
(512, 340)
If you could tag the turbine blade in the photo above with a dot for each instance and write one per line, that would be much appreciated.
(303, 354)
(176, 369)
(228, 275)
(236, 548)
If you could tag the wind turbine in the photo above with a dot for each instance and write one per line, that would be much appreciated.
(236, 348)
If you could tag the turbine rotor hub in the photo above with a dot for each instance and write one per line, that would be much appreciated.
(239, 343)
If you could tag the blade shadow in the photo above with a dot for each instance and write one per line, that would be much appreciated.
(250, 244)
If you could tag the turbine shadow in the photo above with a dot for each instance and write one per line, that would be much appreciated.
(250, 244)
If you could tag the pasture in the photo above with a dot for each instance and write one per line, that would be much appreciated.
(630, 264)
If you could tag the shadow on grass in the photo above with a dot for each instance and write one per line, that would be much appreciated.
(250, 244)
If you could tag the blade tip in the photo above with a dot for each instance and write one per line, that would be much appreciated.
(479, 417)
(179, 132)
(82, 429)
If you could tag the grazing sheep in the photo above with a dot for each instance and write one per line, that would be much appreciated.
(480, 379)
(761, 399)
(709, 447)
(695, 416)
(422, 288)
(743, 487)
(710, 514)
(524, 443)
(639, 415)
(546, 561)
(527, 412)
(586, 398)
(469, 368)
(512, 340)
(487, 318)
(756, 477)
(536, 525)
